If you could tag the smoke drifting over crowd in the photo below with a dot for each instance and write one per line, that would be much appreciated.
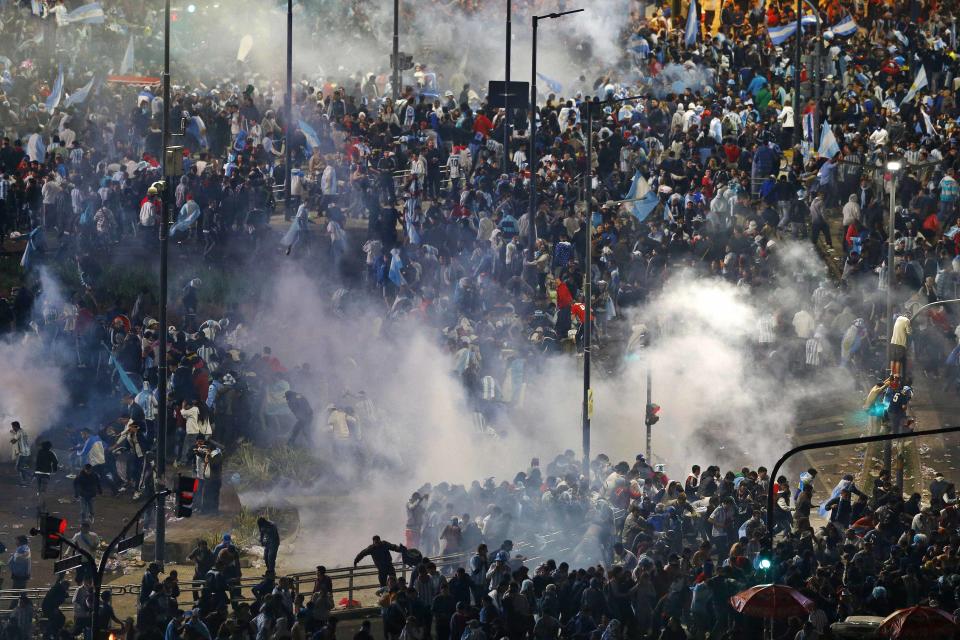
(722, 403)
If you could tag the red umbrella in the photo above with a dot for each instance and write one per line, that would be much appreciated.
(772, 601)
(918, 622)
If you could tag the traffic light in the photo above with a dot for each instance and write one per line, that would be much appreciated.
(52, 529)
(652, 417)
(186, 488)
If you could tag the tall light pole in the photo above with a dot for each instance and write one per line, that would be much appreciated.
(395, 80)
(506, 99)
(815, 78)
(161, 455)
(587, 281)
(893, 166)
(532, 150)
(796, 76)
(288, 116)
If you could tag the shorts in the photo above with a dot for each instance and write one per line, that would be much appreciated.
(897, 352)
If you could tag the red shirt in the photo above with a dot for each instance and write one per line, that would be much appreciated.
(482, 125)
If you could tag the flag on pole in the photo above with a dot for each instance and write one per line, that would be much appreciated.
(56, 94)
(80, 95)
(918, 83)
(552, 84)
(35, 244)
(828, 142)
(87, 14)
(128, 59)
(313, 140)
(693, 25)
(779, 35)
(846, 27)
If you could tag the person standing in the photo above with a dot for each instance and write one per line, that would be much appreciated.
(20, 563)
(86, 486)
(89, 542)
(45, 466)
(379, 552)
(203, 562)
(270, 540)
(21, 453)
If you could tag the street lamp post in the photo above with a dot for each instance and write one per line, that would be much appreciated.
(588, 280)
(161, 454)
(893, 166)
(506, 97)
(395, 81)
(288, 115)
(532, 150)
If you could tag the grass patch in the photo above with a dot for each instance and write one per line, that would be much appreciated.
(260, 467)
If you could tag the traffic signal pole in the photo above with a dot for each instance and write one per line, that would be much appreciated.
(100, 569)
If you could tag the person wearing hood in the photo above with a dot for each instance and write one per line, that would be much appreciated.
(20, 564)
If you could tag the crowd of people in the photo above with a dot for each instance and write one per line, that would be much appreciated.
(425, 211)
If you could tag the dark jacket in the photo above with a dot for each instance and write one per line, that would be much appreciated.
(47, 461)
(87, 485)
(379, 552)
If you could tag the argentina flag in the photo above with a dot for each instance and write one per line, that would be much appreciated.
(779, 35)
(846, 27)
(56, 94)
(828, 143)
(552, 84)
(80, 95)
(313, 140)
(87, 14)
(693, 25)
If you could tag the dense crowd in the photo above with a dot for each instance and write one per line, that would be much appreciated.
(424, 210)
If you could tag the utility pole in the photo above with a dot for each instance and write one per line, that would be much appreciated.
(506, 98)
(288, 115)
(395, 81)
(893, 166)
(161, 454)
(588, 277)
(796, 77)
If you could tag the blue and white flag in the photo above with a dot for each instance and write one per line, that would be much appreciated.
(80, 95)
(808, 126)
(846, 27)
(36, 7)
(241, 141)
(189, 213)
(126, 65)
(638, 45)
(693, 25)
(145, 95)
(643, 199)
(779, 35)
(298, 228)
(37, 39)
(828, 142)
(35, 244)
(36, 149)
(396, 268)
(197, 130)
(552, 84)
(808, 20)
(313, 140)
(125, 378)
(56, 95)
(918, 83)
(87, 14)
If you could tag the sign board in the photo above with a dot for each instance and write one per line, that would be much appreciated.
(513, 95)
(67, 564)
(130, 543)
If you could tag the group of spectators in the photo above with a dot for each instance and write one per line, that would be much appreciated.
(706, 177)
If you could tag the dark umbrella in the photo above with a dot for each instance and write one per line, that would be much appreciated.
(918, 622)
(772, 601)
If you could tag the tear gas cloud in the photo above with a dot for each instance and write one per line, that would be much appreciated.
(32, 386)
(721, 404)
(351, 40)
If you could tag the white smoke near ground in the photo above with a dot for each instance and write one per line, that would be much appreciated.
(676, 78)
(723, 403)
